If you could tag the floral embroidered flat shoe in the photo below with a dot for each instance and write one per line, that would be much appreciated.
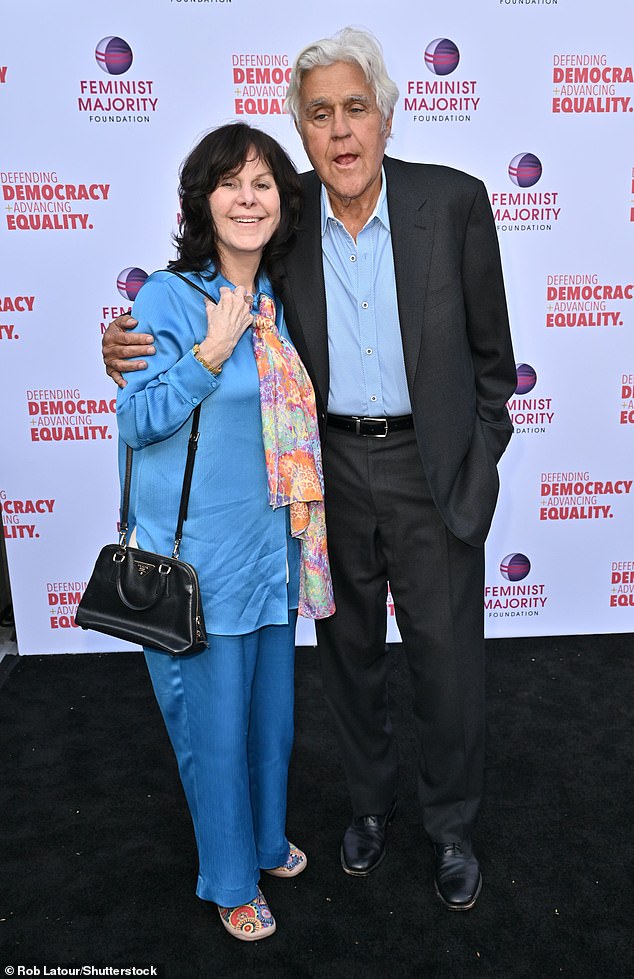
(249, 922)
(295, 863)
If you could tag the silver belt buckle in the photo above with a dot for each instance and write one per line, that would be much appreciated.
(367, 418)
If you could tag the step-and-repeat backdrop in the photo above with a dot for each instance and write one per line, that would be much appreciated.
(98, 107)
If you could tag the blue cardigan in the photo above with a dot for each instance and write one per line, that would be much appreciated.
(238, 544)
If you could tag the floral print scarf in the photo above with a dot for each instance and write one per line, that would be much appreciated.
(293, 455)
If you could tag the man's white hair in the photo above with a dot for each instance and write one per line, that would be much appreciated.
(352, 45)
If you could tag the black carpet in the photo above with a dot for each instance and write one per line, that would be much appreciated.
(98, 860)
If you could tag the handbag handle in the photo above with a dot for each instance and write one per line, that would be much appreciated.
(192, 445)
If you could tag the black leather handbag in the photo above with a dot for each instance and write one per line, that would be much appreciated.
(147, 598)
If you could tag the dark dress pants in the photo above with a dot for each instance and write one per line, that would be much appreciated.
(383, 526)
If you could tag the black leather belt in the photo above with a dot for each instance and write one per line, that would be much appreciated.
(377, 428)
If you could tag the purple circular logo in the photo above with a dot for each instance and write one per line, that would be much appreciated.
(114, 55)
(525, 169)
(130, 281)
(514, 567)
(442, 56)
(526, 378)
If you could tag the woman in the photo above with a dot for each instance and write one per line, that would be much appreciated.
(255, 526)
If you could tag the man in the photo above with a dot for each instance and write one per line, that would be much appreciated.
(394, 297)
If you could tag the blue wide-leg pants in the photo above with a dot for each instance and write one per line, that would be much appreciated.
(229, 716)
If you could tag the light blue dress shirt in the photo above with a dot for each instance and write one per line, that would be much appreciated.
(367, 368)
(238, 544)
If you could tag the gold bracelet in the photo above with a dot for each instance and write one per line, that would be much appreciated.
(201, 360)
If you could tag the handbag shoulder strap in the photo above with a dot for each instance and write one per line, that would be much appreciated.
(192, 445)
(192, 284)
(193, 442)
(125, 501)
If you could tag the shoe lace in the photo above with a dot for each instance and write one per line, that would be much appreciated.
(455, 849)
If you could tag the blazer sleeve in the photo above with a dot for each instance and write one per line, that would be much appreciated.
(487, 323)
(157, 401)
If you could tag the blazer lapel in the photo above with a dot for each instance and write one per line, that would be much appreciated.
(412, 231)
(302, 288)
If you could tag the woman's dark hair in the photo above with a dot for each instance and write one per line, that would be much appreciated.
(222, 153)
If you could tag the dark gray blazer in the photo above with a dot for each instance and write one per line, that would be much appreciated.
(454, 324)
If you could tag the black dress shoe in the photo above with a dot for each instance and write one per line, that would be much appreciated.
(457, 876)
(363, 845)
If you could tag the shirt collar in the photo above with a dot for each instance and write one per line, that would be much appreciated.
(380, 210)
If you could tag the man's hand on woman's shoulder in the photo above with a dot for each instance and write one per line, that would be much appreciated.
(118, 346)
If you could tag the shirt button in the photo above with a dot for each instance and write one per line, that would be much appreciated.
(373, 397)
(368, 350)
(353, 258)
(194, 401)
(364, 305)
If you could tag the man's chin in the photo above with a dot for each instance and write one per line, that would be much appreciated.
(347, 193)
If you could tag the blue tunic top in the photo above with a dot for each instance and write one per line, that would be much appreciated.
(238, 544)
